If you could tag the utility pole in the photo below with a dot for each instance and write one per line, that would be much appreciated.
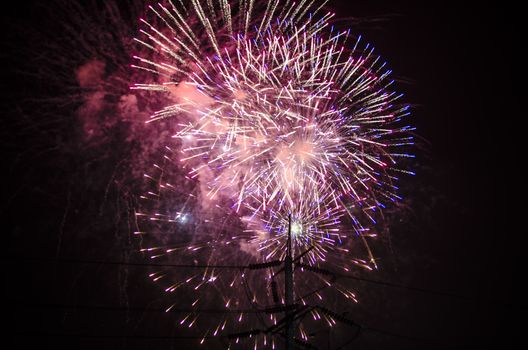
(289, 308)
(288, 289)
(291, 311)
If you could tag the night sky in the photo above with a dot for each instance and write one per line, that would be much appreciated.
(451, 270)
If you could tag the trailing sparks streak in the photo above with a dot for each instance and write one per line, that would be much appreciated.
(280, 114)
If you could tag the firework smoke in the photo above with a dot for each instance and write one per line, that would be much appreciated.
(272, 111)
(275, 113)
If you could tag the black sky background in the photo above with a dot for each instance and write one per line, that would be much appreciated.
(463, 245)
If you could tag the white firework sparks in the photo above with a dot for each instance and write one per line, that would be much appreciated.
(277, 113)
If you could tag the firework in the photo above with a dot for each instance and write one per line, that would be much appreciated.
(276, 114)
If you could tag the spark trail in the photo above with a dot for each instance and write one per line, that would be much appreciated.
(276, 112)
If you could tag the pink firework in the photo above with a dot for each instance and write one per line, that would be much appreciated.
(275, 115)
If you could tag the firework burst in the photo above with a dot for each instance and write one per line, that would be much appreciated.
(276, 114)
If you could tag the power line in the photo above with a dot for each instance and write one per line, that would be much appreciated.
(116, 336)
(126, 263)
(183, 310)
(395, 285)
(242, 267)
(219, 337)
(434, 343)
(138, 309)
